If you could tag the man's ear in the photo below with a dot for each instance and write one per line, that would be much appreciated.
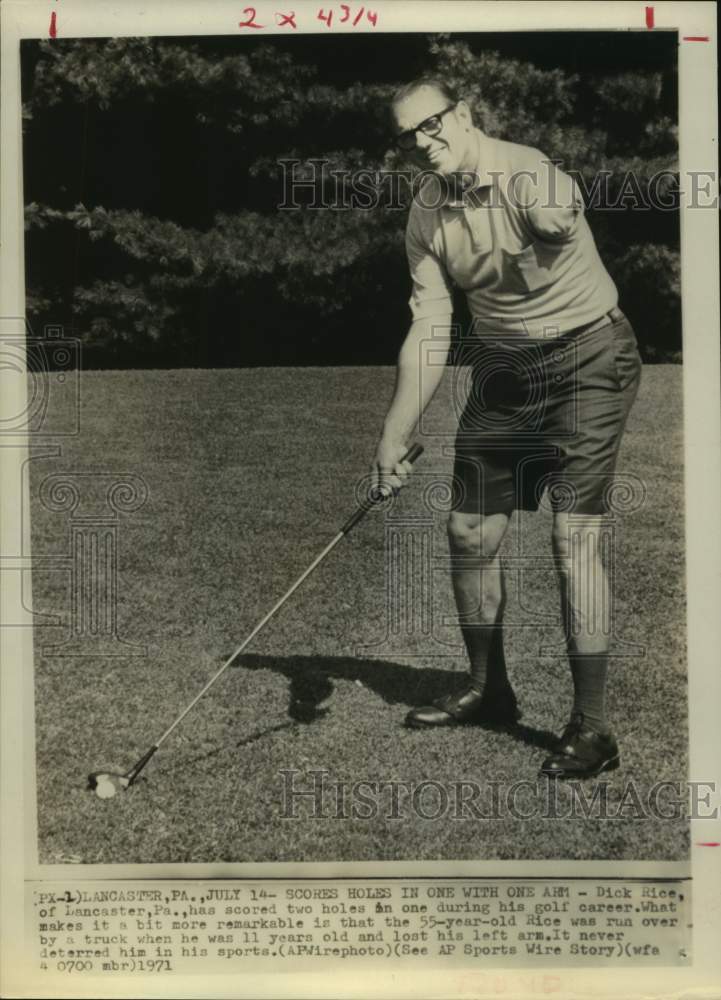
(464, 114)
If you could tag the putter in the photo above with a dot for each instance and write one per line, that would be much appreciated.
(106, 784)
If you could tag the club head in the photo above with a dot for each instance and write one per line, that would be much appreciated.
(107, 784)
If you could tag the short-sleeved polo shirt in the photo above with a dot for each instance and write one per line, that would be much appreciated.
(517, 243)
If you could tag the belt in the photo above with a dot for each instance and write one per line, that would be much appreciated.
(614, 315)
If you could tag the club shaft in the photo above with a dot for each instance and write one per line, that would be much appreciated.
(276, 607)
(411, 455)
(138, 767)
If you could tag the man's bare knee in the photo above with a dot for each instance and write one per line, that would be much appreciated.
(476, 535)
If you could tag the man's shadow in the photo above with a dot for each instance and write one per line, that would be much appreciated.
(310, 682)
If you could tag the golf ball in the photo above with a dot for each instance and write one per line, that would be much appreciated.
(105, 789)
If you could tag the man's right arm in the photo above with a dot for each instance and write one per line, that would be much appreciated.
(423, 356)
(421, 364)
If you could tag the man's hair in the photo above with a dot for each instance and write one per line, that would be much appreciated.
(434, 82)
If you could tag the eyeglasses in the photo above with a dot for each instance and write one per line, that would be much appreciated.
(431, 126)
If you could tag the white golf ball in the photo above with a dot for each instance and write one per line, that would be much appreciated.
(105, 789)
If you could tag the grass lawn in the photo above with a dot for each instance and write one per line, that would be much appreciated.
(249, 473)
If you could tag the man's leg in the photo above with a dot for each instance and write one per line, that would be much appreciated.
(585, 608)
(480, 593)
(587, 746)
(480, 597)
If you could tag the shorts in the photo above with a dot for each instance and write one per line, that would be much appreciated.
(544, 420)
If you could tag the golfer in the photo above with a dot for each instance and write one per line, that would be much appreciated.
(555, 371)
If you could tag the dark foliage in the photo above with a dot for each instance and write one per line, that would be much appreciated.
(157, 236)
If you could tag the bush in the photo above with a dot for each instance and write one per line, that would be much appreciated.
(649, 283)
(145, 274)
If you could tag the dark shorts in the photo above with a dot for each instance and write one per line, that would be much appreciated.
(544, 419)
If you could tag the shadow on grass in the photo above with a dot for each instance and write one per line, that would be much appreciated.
(244, 742)
(311, 683)
(311, 678)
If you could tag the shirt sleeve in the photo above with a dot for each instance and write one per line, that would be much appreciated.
(550, 200)
(431, 295)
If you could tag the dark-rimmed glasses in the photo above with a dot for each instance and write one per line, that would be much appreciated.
(429, 126)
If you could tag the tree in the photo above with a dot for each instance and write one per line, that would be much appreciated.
(160, 229)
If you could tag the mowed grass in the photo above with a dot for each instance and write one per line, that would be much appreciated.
(249, 474)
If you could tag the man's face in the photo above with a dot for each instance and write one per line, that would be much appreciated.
(451, 149)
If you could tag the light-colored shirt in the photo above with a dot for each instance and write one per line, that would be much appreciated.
(517, 243)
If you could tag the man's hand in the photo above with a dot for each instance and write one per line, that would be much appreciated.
(388, 472)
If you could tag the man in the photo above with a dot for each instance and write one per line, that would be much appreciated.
(555, 375)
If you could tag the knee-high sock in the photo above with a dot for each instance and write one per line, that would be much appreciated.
(484, 644)
(589, 671)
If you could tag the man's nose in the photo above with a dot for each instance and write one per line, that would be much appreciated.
(423, 141)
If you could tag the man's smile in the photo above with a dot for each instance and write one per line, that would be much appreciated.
(434, 155)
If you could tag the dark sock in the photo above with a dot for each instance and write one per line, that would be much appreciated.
(488, 663)
(589, 688)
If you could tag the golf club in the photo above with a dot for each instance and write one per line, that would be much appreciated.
(106, 784)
